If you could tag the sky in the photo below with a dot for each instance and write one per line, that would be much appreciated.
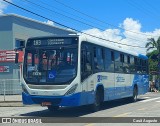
(129, 22)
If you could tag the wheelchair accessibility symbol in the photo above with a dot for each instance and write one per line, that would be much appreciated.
(51, 74)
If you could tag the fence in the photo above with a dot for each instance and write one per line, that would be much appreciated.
(10, 90)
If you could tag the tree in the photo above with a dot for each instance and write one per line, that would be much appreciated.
(154, 55)
(153, 44)
(153, 60)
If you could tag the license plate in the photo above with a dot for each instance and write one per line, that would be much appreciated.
(46, 103)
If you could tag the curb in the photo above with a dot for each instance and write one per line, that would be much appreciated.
(11, 104)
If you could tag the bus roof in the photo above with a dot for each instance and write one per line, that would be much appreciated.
(110, 45)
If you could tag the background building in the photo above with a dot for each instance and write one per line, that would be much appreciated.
(14, 31)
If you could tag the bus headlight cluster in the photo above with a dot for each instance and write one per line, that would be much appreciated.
(71, 90)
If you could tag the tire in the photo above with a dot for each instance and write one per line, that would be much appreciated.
(97, 103)
(53, 108)
(135, 94)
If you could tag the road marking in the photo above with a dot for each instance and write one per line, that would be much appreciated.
(123, 114)
(157, 101)
(89, 124)
(146, 97)
(141, 109)
(147, 100)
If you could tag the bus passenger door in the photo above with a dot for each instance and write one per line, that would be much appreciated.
(86, 72)
(86, 67)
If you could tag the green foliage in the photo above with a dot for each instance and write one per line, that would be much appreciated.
(153, 65)
(153, 56)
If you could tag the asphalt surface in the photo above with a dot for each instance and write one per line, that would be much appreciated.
(148, 105)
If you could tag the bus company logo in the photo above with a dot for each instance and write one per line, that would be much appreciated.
(6, 120)
(120, 79)
(100, 78)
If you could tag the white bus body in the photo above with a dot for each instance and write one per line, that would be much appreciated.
(115, 77)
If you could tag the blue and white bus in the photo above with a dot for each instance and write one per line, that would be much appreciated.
(76, 70)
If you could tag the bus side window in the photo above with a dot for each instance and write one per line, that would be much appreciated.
(109, 60)
(95, 59)
(137, 65)
(118, 62)
(86, 64)
(144, 66)
(132, 65)
(98, 59)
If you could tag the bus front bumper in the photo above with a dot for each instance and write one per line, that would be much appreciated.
(70, 100)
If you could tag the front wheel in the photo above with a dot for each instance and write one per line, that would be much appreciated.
(96, 105)
(53, 108)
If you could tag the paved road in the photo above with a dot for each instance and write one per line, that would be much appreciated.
(147, 106)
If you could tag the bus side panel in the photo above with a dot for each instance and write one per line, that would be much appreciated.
(142, 82)
(122, 81)
(107, 80)
(90, 84)
(88, 91)
(87, 98)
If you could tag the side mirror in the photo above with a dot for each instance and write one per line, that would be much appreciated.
(16, 57)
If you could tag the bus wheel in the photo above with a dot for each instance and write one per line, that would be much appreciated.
(96, 105)
(53, 108)
(135, 94)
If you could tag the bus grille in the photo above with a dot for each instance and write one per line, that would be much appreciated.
(47, 87)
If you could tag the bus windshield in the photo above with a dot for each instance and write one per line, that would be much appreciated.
(50, 66)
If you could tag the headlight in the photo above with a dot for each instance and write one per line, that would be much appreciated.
(71, 90)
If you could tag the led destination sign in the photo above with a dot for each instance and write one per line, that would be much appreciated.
(51, 41)
(57, 42)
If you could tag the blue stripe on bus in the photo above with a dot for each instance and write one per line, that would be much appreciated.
(70, 100)
(84, 98)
